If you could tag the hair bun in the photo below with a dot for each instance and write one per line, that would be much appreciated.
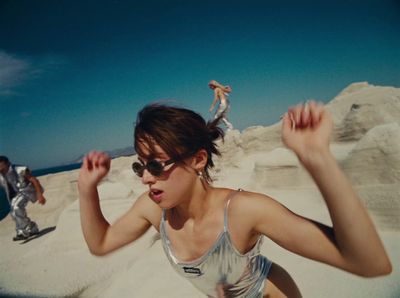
(214, 131)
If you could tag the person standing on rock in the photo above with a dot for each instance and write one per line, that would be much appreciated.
(20, 187)
(221, 94)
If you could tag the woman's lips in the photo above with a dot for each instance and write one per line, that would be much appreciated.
(156, 195)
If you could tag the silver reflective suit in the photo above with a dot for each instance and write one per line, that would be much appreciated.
(222, 271)
(222, 112)
(19, 191)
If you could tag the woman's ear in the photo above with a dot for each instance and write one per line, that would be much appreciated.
(200, 160)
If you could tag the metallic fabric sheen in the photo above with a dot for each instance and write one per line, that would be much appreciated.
(222, 271)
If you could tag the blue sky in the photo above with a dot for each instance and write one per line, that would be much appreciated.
(73, 74)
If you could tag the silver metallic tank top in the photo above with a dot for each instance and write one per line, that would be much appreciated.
(222, 271)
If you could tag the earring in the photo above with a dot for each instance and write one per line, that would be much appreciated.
(200, 174)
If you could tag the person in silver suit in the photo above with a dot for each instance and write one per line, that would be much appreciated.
(221, 94)
(20, 188)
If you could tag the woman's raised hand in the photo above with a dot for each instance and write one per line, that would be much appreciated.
(95, 167)
(306, 129)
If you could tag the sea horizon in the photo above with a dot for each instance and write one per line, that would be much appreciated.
(56, 169)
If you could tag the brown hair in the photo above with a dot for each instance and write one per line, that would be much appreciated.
(4, 159)
(178, 131)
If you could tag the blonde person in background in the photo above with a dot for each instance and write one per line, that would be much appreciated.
(221, 94)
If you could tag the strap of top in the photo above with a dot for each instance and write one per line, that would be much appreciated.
(162, 222)
(230, 196)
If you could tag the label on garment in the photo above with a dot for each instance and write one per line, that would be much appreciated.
(192, 270)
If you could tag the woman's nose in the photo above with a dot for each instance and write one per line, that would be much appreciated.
(148, 178)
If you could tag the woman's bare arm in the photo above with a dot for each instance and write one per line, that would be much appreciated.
(101, 237)
(353, 243)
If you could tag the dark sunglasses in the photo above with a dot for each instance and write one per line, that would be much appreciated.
(155, 167)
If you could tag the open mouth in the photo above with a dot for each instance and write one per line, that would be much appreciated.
(155, 195)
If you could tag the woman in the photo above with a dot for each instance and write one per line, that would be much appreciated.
(221, 94)
(212, 235)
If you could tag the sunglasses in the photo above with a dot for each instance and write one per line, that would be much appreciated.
(155, 167)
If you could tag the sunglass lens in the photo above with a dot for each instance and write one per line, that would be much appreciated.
(138, 168)
(155, 167)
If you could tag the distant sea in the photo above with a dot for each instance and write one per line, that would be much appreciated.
(5, 206)
(58, 169)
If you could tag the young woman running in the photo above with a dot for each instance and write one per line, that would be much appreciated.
(212, 235)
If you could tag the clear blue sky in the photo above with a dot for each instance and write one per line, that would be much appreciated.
(73, 74)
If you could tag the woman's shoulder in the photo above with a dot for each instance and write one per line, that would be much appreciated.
(218, 90)
(246, 209)
(222, 193)
(249, 202)
(239, 196)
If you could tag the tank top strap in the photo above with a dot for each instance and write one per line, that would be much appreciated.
(162, 221)
(230, 196)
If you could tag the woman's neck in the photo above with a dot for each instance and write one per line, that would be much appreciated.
(197, 204)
